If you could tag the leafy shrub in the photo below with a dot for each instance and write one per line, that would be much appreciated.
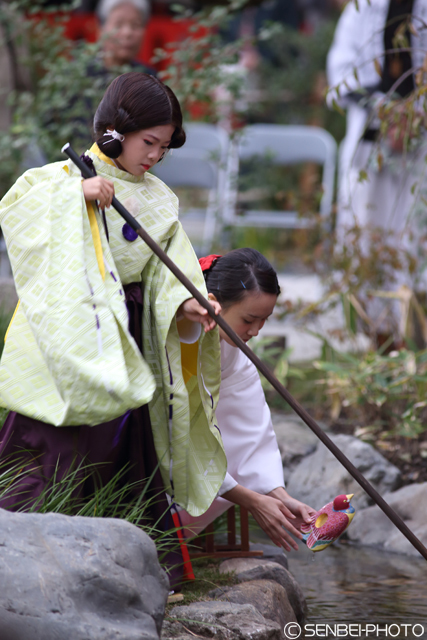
(390, 390)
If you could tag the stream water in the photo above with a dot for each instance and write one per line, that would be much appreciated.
(361, 593)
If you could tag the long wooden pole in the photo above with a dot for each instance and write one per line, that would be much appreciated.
(309, 421)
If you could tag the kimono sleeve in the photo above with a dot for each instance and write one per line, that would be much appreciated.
(187, 440)
(69, 358)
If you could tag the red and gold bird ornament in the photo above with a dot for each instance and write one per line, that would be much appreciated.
(328, 523)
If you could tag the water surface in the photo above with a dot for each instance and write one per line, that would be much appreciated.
(361, 585)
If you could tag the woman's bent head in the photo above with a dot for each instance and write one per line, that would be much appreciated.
(136, 102)
(246, 286)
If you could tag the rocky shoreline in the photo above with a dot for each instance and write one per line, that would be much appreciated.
(266, 598)
(313, 475)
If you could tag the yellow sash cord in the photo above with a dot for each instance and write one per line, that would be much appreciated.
(96, 238)
(13, 317)
(189, 355)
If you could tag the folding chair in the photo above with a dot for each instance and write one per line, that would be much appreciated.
(283, 145)
(199, 164)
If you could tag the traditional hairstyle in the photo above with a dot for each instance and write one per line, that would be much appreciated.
(229, 277)
(132, 102)
(105, 7)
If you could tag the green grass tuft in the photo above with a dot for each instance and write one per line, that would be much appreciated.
(208, 577)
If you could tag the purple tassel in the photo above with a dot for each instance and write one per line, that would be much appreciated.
(88, 162)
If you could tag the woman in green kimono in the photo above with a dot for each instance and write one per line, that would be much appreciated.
(93, 299)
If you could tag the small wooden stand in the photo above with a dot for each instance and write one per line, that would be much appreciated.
(232, 549)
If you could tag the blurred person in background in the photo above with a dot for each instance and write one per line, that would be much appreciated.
(122, 29)
(362, 46)
(368, 70)
(120, 33)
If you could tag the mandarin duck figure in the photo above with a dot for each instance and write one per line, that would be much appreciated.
(328, 523)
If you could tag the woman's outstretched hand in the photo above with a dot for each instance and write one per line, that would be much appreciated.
(193, 310)
(276, 519)
(100, 189)
(300, 511)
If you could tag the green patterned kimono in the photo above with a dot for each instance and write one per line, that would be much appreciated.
(69, 358)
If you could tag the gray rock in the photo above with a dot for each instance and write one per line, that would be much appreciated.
(79, 578)
(320, 477)
(175, 630)
(271, 553)
(373, 528)
(248, 569)
(225, 621)
(181, 636)
(294, 438)
(268, 597)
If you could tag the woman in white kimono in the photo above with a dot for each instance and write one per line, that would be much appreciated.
(91, 368)
(364, 70)
(359, 52)
(246, 286)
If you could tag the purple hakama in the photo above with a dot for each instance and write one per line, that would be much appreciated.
(46, 452)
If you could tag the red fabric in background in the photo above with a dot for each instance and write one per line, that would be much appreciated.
(82, 26)
(77, 26)
(162, 30)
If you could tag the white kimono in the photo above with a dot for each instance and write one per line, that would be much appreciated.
(385, 199)
(244, 420)
(391, 197)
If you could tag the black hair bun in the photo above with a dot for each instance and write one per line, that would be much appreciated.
(178, 138)
(110, 146)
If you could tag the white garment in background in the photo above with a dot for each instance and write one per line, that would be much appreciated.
(391, 196)
(244, 419)
(385, 199)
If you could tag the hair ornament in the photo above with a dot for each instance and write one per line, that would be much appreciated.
(241, 282)
(114, 134)
(208, 262)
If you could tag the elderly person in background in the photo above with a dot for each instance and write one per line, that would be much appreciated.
(122, 31)
(122, 27)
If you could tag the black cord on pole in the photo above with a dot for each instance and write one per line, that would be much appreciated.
(309, 421)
